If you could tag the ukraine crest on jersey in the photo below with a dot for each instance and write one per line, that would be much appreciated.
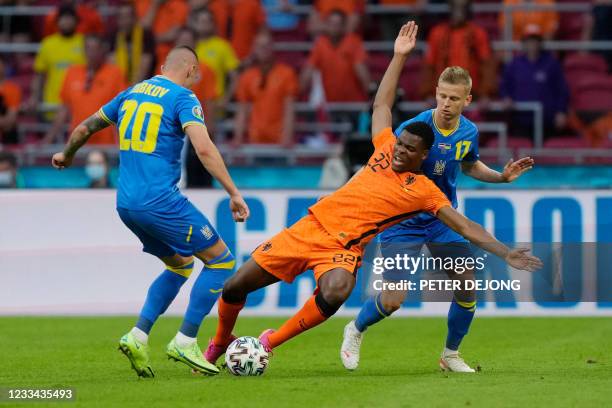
(151, 117)
(449, 149)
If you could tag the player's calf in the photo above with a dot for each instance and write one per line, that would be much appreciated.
(335, 287)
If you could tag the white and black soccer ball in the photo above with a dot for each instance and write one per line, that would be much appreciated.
(246, 356)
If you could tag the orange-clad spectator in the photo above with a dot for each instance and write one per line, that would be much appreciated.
(10, 101)
(132, 46)
(340, 58)
(56, 53)
(323, 8)
(239, 21)
(459, 42)
(164, 18)
(270, 88)
(215, 52)
(548, 20)
(206, 88)
(86, 88)
(90, 21)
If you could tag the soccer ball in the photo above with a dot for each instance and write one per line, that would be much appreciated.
(246, 356)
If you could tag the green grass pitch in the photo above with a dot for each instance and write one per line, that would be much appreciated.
(524, 362)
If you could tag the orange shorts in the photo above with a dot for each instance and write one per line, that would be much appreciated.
(305, 245)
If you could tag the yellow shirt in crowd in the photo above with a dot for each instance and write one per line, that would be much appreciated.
(219, 55)
(55, 55)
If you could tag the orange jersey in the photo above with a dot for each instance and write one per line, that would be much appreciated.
(239, 22)
(83, 99)
(467, 46)
(377, 198)
(206, 88)
(90, 21)
(268, 95)
(547, 20)
(10, 93)
(337, 66)
(327, 6)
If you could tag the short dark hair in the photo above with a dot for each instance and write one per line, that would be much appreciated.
(67, 10)
(420, 129)
(8, 157)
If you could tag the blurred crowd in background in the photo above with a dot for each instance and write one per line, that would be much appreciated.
(277, 75)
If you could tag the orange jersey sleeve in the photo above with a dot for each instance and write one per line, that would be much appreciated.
(12, 94)
(384, 136)
(376, 198)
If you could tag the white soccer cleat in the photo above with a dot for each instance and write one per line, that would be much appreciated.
(351, 343)
(451, 361)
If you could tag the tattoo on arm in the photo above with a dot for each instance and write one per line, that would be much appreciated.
(83, 131)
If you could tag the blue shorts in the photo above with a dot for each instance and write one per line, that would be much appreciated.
(441, 241)
(184, 230)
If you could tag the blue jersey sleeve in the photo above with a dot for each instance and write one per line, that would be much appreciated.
(110, 111)
(188, 110)
(473, 154)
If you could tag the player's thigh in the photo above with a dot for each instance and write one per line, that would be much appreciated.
(249, 277)
(286, 255)
(186, 230)
(460, 253)
(151, 244)
(407, 249)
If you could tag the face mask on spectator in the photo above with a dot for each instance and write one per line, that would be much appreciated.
(6, 178)
(95, 171)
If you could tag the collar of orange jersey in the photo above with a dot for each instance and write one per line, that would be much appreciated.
(444, 132)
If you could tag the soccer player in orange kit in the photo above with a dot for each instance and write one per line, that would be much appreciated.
(330, 240)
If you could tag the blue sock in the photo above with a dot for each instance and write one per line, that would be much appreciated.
(162, 292)
(460, 315)
(205, 292)
(371, 312)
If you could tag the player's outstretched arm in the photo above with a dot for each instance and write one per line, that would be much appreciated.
(517, 258)
(211, 159)
(512, 170)
(385, 96)
(78, 138)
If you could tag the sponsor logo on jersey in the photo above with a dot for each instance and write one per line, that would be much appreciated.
(266, 247)
(410, 179)
(439, 167)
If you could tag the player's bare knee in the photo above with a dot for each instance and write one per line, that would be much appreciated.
(232, 291)
(336, 286)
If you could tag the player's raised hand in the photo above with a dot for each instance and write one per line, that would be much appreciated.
(519, 259)
(240, 209)
(514, 169)
(406, 39)
(61, 161)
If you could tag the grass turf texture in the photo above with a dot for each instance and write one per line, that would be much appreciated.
(555, 362)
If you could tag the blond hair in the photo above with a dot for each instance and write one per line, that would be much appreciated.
(456, 76)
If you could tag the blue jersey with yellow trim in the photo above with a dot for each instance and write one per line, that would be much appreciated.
(151, 117)
(443, 163)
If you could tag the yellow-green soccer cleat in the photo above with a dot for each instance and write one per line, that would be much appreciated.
(192, 357)
(138, 354)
